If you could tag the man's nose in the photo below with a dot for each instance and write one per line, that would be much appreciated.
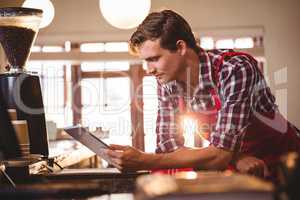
(150, 69)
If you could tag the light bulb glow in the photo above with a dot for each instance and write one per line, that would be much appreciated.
(124, 14)
(46, 6)
(189, 126)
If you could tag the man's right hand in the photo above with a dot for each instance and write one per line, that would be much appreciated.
(252, 165)
(126, 158)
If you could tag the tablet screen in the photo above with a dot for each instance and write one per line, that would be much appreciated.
(89, 140)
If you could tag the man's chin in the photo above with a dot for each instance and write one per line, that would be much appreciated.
(162, 81)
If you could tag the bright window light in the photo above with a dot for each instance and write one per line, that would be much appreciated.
(145, 66)
(189, 129)
(92, 66)
(150, 108)
(191, 175)
(92, 47)
(105, 66)
(260, 59)
(52, 49)
(117, 65)
(34, 66)
(36, 49)
(207, 43)
(67, 46)
(116, 47)
(244, 43)
(106, 103)
(225, 44)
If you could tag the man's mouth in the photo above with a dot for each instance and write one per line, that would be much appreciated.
(159, 76)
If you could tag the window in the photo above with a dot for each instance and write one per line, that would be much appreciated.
(248, 44)
(57, 105)
(53, 49)
(150, 112)
(105, 66)
(231, 42)
(244, 43)
(106, 104)
(36, 49)
(92, 47)
(225, 44)
(207, 43)
(116, 47)
(104, 47)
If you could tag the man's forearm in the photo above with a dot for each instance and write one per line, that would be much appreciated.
(204, 158)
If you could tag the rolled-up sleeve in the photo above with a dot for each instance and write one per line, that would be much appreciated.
(237, 85)
(168, 136)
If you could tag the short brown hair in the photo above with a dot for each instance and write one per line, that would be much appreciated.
(168, 26)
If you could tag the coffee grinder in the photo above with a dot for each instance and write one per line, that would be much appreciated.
(21, 90)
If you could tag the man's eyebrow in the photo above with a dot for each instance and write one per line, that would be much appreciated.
(151, 58)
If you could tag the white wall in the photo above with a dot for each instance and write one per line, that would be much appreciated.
(80, 20)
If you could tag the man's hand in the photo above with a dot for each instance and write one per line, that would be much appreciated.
(252, 165)
(126, 158)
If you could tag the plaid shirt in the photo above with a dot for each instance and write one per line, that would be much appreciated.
(241, 88)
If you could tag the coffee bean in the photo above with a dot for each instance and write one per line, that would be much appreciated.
(16, 42)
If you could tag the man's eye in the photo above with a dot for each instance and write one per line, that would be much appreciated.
(154, 59)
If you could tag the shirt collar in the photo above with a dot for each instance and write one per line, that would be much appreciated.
(208, 64)
(206, 68)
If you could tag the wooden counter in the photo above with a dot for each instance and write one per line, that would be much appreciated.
(46, 178)
(65, 153)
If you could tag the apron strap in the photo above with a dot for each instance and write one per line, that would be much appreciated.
(230, 54)
(213, 92)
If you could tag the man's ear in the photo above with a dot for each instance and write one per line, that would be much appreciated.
(181, 47)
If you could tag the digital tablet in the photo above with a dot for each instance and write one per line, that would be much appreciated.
(89, 140)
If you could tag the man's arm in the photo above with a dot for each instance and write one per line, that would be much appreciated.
(237, 88)
(239, 78)
(129, 158)
(211, 158)
(169, 138)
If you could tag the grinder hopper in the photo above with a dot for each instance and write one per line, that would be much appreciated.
(20, 89)
(18, 30)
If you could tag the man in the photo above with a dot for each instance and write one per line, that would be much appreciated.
(223, 81)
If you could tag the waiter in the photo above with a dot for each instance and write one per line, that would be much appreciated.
(250, 134)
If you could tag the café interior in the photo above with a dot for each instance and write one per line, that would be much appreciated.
(81, 88)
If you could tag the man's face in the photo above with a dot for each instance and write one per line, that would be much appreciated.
(162, 63)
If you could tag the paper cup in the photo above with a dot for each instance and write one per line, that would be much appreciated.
(21, 130)
(12, 114)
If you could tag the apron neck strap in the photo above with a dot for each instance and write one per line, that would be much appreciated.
(217, 69)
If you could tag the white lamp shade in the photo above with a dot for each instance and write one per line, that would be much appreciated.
(46, 6)
(124, 14)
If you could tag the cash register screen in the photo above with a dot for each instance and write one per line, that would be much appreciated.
(9, 146)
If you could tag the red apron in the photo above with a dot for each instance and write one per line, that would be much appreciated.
(269, 135)
(260, 140)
